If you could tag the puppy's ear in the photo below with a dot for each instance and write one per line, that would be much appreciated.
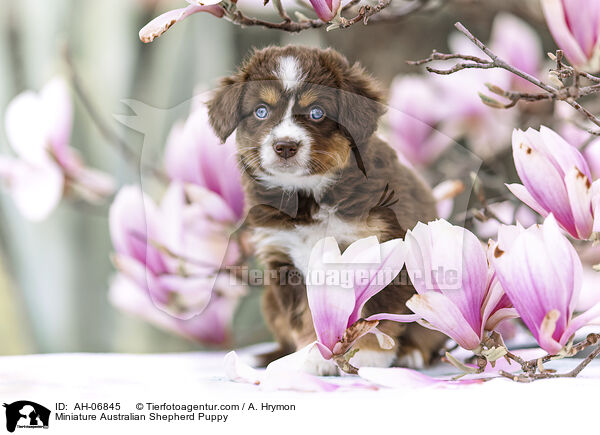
(224, 108)
(360, 106)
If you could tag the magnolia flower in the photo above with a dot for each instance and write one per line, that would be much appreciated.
(456, 292)
(163, 22)
(326, 9)
(415, 113)
(195, 155)
(173, 251)
(518, 44)
(337, 305)
(541, 273)
(212, 326)
(38, 127)
(575, 27)
(556, 179)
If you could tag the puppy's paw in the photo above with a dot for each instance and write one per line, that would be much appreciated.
(315, 364)
(373, 358)
(411, 358)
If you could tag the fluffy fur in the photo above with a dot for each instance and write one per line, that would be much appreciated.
(342, 181)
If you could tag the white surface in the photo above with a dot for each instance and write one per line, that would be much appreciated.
(554, 405)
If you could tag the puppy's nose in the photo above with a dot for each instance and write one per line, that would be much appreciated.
(286, 148)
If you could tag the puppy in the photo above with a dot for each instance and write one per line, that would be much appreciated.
(305, 122)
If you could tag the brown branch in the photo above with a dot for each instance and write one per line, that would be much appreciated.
(532, 369)
(365, 14)
(111, 136)
(568, 94)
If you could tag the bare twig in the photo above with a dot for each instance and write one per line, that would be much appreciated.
(105, 130)
(533, 370)
(365, 14)
(569, 94)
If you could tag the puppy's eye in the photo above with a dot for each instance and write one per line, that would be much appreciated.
(261, 112)
(316, 113)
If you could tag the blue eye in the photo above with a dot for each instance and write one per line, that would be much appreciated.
(261, 112)
(316, 113)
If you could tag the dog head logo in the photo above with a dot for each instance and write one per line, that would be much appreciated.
(26, 414)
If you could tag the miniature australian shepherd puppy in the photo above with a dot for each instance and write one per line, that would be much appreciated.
(305, 122)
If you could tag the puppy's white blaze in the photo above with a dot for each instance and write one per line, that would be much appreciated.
(289, 72)
(287, 129)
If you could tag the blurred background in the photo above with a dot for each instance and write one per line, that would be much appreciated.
(55, 275)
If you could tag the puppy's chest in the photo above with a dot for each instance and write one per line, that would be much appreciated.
(297, 242)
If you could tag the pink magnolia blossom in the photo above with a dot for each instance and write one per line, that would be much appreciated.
(194, 154)
(336, 306)
(517, 43)
(485, 128)
(414, 116)
(575, 27)
(163, 22)
(556, 179)
(212, 326)
(541, 273)
(457, 293)
(326, 9)
(173, 251)
(38, 127)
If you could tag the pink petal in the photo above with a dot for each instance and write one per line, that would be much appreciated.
(163, 22)
(583, 23)
(393, 254)
(288, 373)
(133, 224)
(441, 314)
(540, 272)
(398, 377)
(55, 100)
(238, 371)
(330, 305)
(521, 192)
(556, 148)
(516, 42)
(578, 188)
(26, 129)
(557, 23)
(211, 327)
(457, 266)
(195, 154)
(588, 317)
(36, 189)
(544, 182)
(325, 9)
(547, 329)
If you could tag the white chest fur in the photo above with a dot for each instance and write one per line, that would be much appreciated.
(297, 243)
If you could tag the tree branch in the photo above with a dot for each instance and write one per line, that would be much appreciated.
(569, 94)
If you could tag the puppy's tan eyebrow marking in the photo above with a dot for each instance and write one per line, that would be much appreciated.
(307, 98)
(269, 95)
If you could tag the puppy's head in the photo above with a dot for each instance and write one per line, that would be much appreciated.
(299, 113)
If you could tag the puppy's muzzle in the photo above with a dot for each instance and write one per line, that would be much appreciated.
(286, 148)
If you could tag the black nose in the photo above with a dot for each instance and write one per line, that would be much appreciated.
(286, 149)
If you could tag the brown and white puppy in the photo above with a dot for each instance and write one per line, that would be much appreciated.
(312, 167)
